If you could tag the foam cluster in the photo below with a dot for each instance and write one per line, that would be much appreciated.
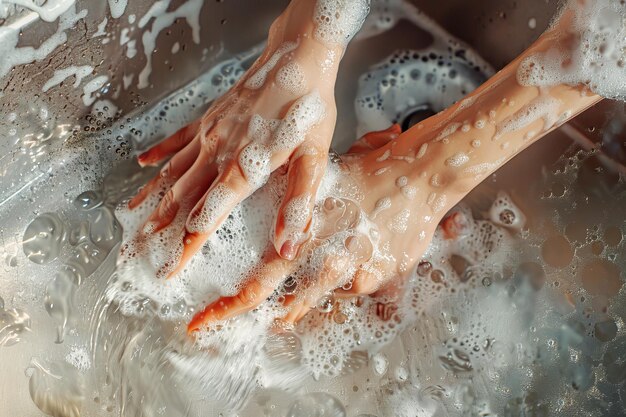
(504, 212)
(217, 200)
(303, 114)
(543, 108)
(257, 79)
(230, 252)
(331, 336)
(296, 215)
(337, 21)
(255, 162)
(291, 78)
(412, 82)
(597, 58)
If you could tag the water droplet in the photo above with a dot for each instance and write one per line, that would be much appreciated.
(507, 217)
(59, 300)
(380, 363)
(43, 239)
(56, 390)
(424, 268)
(317, 404)
(88, 200)
(13, 322)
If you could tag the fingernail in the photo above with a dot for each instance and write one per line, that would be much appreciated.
(143, 159)
(192, 328)
(133, 203)
(196, 322)
(288, 250)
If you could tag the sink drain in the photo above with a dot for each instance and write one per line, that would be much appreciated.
(410, 86)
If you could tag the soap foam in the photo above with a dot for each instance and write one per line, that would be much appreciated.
(290, 77)
(543, 107)
(331, 336)
(257, 79)
(217, 198)
(598, 57)
(337, 21)
(161, 18)
(296, 216)
(48, 11)
(409, 81)
(79, 72)
(12, 55)
(255, 162)
(305, 113)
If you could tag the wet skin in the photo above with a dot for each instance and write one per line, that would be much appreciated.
(411, 179)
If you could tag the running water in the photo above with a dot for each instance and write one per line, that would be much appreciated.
(500, 303)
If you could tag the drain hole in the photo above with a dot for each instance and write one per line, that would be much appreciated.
(416, 115)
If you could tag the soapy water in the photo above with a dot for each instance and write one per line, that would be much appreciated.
(13, 322)
(467, 323)
(476, 308)
(412, 85)
(597, 57)
(78, 243)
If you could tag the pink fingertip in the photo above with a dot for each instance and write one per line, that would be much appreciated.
(288, 250)
(144, 159)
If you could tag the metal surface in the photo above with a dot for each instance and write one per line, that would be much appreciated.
(33, 178)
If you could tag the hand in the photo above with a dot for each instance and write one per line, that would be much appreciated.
(382, 213)
(371, 229)
(282, 112)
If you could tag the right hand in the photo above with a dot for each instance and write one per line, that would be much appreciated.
(366, 239)
(282, 112)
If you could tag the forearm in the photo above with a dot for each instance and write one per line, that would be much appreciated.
(322, 30)
(449, 154)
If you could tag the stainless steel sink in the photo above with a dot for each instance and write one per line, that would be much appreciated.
(53, 147)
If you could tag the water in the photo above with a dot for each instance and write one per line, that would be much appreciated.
(466, 329)
(13, 322)
(44, 238)
(502, 323)
(317, 404)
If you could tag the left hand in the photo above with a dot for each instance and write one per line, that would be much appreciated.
(365, 239)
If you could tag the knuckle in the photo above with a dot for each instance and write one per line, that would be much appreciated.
(168, 170)
(247, 296)
(364, 286)
(308, 152)
(209, 141)
(180, 138)
(168, 206)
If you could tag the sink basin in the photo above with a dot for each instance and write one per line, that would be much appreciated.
(80, 95)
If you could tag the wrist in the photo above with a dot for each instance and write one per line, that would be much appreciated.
(447, 155)
(319, 61)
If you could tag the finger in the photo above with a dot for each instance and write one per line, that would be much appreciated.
(316, 293)
(210, 212)
(388, 297)
(365, 282)
(392, 290)
(305, 174)
(145, 191)
(386, 310)
(260, 285)
(240, 178)
(172, 171)
(184, 194)
(296, 310)
(375, 140)
(170, 145)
